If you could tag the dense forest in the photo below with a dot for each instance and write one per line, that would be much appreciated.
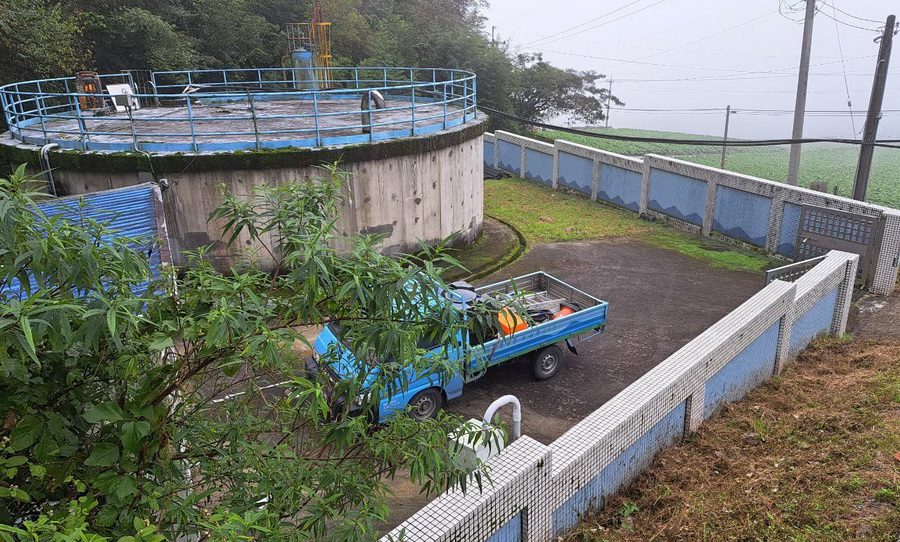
(52, 38)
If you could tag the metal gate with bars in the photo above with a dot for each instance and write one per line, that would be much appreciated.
(822, 229)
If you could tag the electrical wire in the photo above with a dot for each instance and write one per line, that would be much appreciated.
(704, 38)
(886, 143)
(845, 23)
(545, 41)
(852, 16)
(607, 14)
(837, 32)
(529, 12)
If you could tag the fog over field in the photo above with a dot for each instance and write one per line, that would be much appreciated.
(706, 54)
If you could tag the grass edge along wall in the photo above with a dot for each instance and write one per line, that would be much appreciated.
(698, 198)
(539, 492)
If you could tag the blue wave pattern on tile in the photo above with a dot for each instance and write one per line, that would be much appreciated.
(621, 470)
(790, 224)
(677, 196)
(539, 166)
(742, 215)
(511, 531)
(815, 321)
(489, 153)
(576, 172)
(748, 369)
(510, 157)
(620, 186)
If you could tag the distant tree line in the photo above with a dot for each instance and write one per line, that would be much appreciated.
(54, 38)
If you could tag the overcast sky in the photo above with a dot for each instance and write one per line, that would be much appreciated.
(721, 46)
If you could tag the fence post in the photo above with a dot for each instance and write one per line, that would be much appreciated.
(845, 296)
(554, 182)
(645, 185)
(475, 97)
(774, 231)
(709, 208)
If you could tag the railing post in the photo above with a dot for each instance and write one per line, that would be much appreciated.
(356, 76)
(445, 106)
(38, 102)
(253, 116)
(191, 122)
(225, 79)
(316, 118)
(384, 70)
(412, 94)
(371, 117)
(82, 128)
(259, 77)
(133, 130)
(475, 96)
(465, 98)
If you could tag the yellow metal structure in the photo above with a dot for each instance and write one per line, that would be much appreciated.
(315, 37)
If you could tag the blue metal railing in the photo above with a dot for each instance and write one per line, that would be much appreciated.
(218, 110)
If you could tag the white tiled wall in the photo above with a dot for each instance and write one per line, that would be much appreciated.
(888, 259)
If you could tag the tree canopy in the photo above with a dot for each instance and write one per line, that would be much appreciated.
(153, 416)
(43, 38)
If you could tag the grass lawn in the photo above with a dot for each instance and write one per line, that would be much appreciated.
(543, 215)
(808, 456)
(835, 164)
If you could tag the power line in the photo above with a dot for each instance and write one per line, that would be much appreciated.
(545, 41)
(835, 8)
(837, 32)
(529, 12)
(887, 143)
(704, 38)
(737, 72)
(607, 14)
(845, 23)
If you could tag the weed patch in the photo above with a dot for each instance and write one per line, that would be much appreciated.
(808, 456)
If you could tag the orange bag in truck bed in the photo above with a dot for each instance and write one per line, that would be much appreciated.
(511, 322)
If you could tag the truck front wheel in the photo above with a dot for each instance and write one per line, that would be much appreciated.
(425, 404)
(546, 362)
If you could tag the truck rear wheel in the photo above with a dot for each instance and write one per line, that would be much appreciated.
(546, 362)
(425, 404)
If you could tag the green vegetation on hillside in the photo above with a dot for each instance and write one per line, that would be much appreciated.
(834, 164)
(542, 216)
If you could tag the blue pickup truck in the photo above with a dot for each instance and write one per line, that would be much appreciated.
(560, 312)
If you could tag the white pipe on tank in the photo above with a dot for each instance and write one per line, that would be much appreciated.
(516, 416)
(45, 165)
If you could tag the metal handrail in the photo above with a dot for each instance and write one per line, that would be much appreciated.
(32, 107)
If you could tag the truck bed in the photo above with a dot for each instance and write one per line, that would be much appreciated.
(539, 289)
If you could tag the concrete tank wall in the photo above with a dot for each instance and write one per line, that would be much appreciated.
(427, 190)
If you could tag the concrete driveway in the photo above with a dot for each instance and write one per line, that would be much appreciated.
(658, 301)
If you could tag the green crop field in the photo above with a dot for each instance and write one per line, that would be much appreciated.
(834, 164)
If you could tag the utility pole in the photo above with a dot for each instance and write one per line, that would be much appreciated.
(608, 102)
(725, 137)
(802, 83)
(493, 41)
(874, 115)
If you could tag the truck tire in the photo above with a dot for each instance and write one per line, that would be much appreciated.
(546, 362)
(425, 404)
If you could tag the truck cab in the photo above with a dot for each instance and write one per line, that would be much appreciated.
(554, 314)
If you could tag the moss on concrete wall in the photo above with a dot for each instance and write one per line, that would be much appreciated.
(122, 162)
